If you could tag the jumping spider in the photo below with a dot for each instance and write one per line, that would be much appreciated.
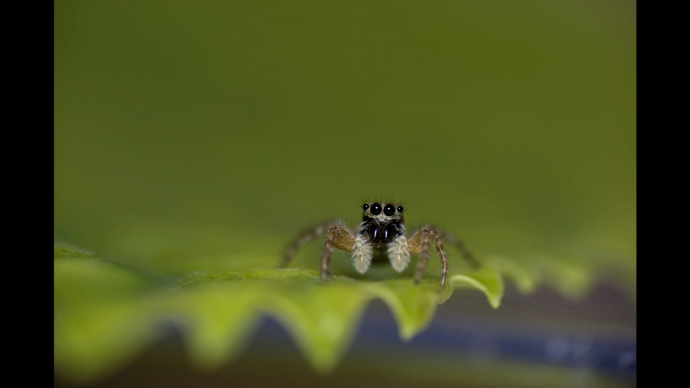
(381, 236)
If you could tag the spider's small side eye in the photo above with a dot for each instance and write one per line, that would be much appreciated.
(400, 209)
(376, 209)
(365, 207)
(389, 210)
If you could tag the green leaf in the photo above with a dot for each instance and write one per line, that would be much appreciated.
(105, 313)
(487, 280)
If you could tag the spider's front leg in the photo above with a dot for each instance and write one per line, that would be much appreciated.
(304, 238)
(337, 237)
(419, 243)
(466, 254)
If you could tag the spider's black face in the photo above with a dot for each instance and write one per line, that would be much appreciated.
(381, 233)
(382, 222)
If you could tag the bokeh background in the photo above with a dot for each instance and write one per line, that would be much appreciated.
(204, 135)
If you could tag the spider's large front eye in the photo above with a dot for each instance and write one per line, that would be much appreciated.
(389, 210)
(365, 207)
(376, 209)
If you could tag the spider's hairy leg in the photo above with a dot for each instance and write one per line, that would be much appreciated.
(337, 237)
(466, 254)
(419, 243)
(442, 256)
(304, 238)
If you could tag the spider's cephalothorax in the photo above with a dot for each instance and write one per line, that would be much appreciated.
(382, 222)
(381, 237)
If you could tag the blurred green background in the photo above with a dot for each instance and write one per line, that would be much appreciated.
(204, 135)
(199, 132)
